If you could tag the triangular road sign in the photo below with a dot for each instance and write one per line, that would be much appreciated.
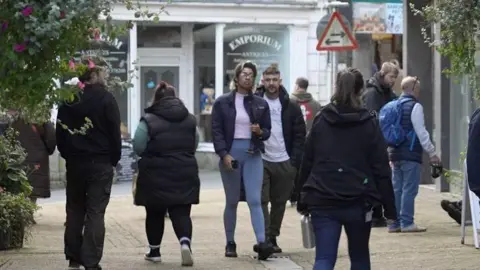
(336, 36)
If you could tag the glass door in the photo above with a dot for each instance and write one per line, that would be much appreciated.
(150, 76)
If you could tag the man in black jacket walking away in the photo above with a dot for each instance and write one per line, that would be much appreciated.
(378, 93)
(90, 158)
(283, 151)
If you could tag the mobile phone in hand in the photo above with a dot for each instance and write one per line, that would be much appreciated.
(235, 164)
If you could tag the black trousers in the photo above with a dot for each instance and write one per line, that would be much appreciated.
(89, 185)
(378, 212)
(155, 222)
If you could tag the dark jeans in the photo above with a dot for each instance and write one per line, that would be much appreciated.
(89, 185)
(278, 179)
(155, 222)
(378, 212)
(327, 226)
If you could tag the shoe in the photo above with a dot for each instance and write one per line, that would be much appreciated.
(73, 265)
(453, 209)
(394, 229)
(187, 258)
(379, 222)
(413, 229)
(153, 255)
(265, 249)
(231, 250)
(276, 248)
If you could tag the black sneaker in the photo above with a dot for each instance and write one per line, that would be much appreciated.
(264, 251)
(153, 255)
(276, 248)
(73, 265)
(379, 222)
(453, 209)
(231, 250)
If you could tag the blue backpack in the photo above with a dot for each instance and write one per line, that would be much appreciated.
(390, 123)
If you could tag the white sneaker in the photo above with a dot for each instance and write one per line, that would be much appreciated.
(187, 258)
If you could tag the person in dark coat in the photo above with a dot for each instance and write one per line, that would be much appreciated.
(168, 180)
(90, 160)
(344, 174)
(378, 93)
(473, 153)
(240, 125)
(39, 143)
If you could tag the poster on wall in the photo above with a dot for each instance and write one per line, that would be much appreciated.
(376, 16)
(262, 48)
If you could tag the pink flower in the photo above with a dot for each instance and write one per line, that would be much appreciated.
(81, 85)
(4, 26)
(90, 64)
(62, 14)
(37, 166)
(20, 47)
(71, 64)
(1, 189)
(27, 11)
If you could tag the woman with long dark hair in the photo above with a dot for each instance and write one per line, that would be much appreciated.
(168, 180)
(345, 173)
(240, 124)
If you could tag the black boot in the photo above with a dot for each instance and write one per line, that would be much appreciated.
(265, 249)
(73, 265)
(276, 248)
(231, 250)
(379, 222)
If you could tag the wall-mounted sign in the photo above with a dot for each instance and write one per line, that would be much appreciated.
(262, 48)
(377, 16)
(114, 52)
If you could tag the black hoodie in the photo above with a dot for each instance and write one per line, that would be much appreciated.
(346, 162)
(102, 142)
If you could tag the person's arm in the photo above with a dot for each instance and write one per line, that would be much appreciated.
(473, 153)
(60, 132)
(112, 115)
(140, 139)
(197, 138)
(265, 123)
(382, 173)
(49, 137)
(218, 136)
(299, 133)
(418, 122)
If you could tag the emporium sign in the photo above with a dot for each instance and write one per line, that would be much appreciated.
(378, 16)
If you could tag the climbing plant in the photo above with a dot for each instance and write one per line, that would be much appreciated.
(459, 29)
(38, 40)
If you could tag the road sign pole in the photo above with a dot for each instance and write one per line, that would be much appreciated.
(334, 59)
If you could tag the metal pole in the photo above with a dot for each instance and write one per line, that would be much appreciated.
(334, 59)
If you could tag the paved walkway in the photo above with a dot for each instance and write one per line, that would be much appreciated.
(438, 249)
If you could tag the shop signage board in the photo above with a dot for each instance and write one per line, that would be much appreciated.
(336, 36)
(378, 16)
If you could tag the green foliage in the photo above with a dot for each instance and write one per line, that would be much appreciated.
(459, 29)
(16, 218)
(13, 176)
(39, 38)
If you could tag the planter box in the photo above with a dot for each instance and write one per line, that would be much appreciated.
(12, 239)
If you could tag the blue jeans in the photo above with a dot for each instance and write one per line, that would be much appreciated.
(406, 180)
(327, 226)
(250, 166)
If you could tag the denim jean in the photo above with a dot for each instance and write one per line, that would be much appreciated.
(406, 180)
(327, 226)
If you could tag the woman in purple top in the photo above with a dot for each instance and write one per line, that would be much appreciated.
(240, 124)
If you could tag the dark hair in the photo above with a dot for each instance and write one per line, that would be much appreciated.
(163, 90)
(238, 69)
(272, 70)
(302, 82)
(87, 75)
(348, 87)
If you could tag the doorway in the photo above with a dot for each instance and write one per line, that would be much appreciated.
(150, 76)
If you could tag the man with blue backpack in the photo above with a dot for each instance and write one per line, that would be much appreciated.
(403, 125)
(379, 92)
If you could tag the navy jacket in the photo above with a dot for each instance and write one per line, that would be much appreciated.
(473, 153)
(223, 121)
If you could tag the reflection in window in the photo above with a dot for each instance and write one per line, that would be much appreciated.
(150, 36)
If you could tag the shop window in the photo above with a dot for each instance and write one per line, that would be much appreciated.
(261, 44)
